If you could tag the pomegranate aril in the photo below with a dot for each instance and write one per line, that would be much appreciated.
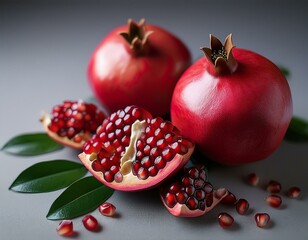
(193, 173)
(152, 171)
(293, 192)
(159, 162)
(65, 228)
(174, 187)
(142, 173)
(192, 203)
(230, 199)
(225, 220)
(96, 165)
(146, 162)
(181, 196)
(252, 179)
(108, 176)
(242, 206)
(262, 219)
(273, 200)
(199, 194)
(170, 200)
(107, 209)
(90, 222)
(273, 186)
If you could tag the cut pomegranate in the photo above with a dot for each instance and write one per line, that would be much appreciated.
(90, 222)
(225, 220)
(262, 219)
(190, 195)
(133, 151)
(273, 186)
(230, 199)
(107, 209)
(65, 228)
(253, 179)
(72, 123)
(293, 192)
(273, 200)
(242, 206)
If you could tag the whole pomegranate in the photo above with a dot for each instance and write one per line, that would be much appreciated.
(234, 104)
(133, 151)
(137, 64)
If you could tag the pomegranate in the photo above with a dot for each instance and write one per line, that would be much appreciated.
(191, 195)
(137, 64)
(234, 104)
(133, 151)
(73, 122)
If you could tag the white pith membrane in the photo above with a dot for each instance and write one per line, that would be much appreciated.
(46, 120)
(181, 210)
(128, 181)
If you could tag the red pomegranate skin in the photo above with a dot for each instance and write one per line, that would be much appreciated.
(119, 77)
(233, 118)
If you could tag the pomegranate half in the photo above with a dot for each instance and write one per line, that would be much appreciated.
(132, 151)
(72, 122)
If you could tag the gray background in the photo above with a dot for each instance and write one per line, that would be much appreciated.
(44, 50)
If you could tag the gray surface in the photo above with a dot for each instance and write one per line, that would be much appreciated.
(44, 50)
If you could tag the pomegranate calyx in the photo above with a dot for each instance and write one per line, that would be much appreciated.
(221, 55)
(136, 36)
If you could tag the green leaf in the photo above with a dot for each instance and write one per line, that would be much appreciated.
(297, 130)
(285, 71)
(48, 176)
(78, 199)
(31, 144)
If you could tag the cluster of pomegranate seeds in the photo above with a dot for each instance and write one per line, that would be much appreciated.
(108, 145)
(225, 220)
(193, 190)
(160, 142)
(90, 222)
(75, 119)
(107, 209)
(65, 228)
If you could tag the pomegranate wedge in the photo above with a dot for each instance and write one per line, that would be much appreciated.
(132, 151)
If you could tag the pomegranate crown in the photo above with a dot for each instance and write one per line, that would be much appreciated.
(137, 35)
(221, 55)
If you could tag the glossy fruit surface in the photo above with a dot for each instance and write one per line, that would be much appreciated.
(190, 194)
(234, 104)
(137, 64)
(133, 151)
(72, 122)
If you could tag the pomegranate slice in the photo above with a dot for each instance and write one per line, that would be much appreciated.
(192, 196)
(132, 151)
(72, 122)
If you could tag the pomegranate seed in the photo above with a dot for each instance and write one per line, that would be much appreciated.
(230, 199)
(159, 162)
(253, 179)
(142, 173)
(273, 200)
(170, 200)
(153, 171)
(293, 192)
(107, 209)
(174, 187)
(90, 222)
(65, 228)
(262, 219)
(273, 186)
(192, 203)
(225, 220)
(181, 196)
(242, 206)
